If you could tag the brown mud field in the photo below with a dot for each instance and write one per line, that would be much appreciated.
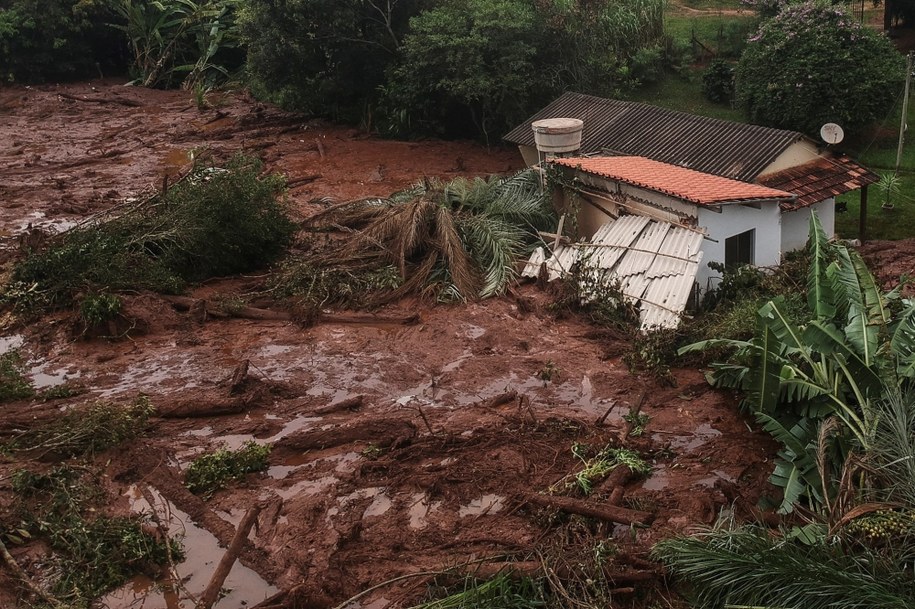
(404, 447)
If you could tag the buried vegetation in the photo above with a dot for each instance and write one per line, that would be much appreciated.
(213, 222)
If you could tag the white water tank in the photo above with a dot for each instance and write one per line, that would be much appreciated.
(557, 135)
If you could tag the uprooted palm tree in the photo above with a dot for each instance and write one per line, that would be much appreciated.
(457, 240)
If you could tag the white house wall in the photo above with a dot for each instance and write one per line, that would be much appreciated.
(731, 221)
(796, 224)
(798, 153)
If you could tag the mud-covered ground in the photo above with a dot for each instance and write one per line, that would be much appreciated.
(453, 421)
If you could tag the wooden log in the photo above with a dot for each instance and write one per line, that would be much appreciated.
(211, 594)
(607, 513)
(369, 319)
(303, 180)
(499, 400)
(189, 409)
(102, 100)
(353, 403)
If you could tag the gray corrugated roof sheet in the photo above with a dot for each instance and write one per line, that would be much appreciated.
(655, 264)
(712, 145)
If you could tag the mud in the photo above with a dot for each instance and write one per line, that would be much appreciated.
(427, 471)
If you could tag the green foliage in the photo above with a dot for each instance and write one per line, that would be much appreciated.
(596, 466)
(653, 351)
(213, 471)
(750, 567)
(99, 308)
(475, 55)
(586, 290)
(48, 39)
(93, 553)
(501, 592)
(169, 38)
(843, 361)
(718, 81)
(813, 64)
(637, 422)
(13, 383)
(215, 222)
(87, 430)
(323, 56)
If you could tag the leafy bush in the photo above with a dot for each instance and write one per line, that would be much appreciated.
(718, 81)
(323, 56)
(197, 41)
(215, 222)
(48, 39)
(813, 64)
(472, 55)
(211, 472)
(13, 384)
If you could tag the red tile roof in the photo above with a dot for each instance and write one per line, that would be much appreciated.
(680, 182)
(819, 180)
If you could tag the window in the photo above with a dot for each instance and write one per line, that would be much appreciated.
(739, 249)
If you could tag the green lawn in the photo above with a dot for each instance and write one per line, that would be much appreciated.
(683, 92)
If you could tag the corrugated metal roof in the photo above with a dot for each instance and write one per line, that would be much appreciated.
(711, 145)
(654, 262)
(686, 184)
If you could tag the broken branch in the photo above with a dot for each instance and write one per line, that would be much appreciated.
(607, 513)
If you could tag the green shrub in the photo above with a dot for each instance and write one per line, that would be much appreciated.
(813, 64)
(211, 472)
(48, 39)
(215, 222)
(718, 81)
(13, 383)
(96, 309)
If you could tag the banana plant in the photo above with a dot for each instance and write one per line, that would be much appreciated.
(844, 359)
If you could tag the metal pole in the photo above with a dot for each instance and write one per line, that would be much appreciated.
(905, 109)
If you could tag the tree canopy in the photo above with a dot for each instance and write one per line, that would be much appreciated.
(812, 64)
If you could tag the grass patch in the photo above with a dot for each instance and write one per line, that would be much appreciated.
(216, 221)
(683, 92)
(87, 430)
(211, 472)
(500, 592)
(13, 383)
(93, 553)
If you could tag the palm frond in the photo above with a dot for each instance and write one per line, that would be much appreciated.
(495, 245)
(449, 243)
(749, 566)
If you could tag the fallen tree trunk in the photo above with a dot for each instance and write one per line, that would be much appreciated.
(186, 303)
(189, 409)
(352, 403)
(383, 433)
(211, 594)
(607, 513)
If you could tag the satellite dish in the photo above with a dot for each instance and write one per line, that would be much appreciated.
(832, 133)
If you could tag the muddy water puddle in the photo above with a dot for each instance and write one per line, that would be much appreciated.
(487, 504)
(202, 553)
(703, 434)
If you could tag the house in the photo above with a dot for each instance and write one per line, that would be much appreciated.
(756, 230)
(746, 190)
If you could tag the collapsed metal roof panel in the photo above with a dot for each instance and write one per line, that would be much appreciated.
(654, 263)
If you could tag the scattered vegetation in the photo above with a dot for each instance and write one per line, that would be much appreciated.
(638, 421)
(598, 465)
(584, 289)
(653, 351)
(836, 392)
(458, 240)
(13, 383)
(87, 430)
(213, 222)
(92, 553)
(500, 592)
(214, 471)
